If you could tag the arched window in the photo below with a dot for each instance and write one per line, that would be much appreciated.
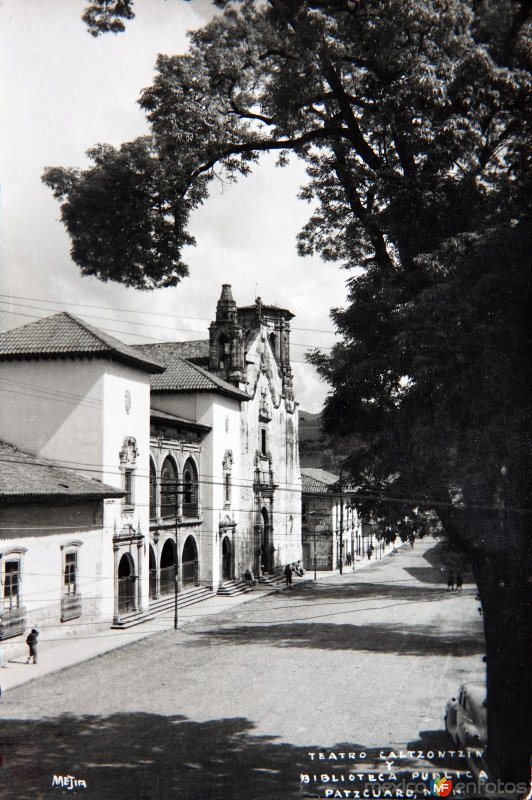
(153, 491)
(169, 485)
(224, 351)
(190, 489)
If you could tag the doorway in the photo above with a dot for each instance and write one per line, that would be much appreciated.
(226, 559)
(266, 549)
(126, 584)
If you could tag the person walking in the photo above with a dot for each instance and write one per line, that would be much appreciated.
(459, 582)
(31, 641)
(288, 574)
(450, 582)
(248, 577)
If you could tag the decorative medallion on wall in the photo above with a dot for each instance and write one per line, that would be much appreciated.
(127, 401)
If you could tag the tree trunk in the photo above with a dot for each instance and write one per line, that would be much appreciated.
(499, 551)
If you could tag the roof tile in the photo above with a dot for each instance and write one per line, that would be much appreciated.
(24, 476)
(64, 334)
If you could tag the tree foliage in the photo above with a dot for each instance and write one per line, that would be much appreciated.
(106, 16)
(413, 118)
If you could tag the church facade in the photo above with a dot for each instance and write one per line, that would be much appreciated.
(238, 384)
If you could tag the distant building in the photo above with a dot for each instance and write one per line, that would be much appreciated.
(331, 529)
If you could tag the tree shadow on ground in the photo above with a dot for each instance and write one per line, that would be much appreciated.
(140, 756)
(423, 640)
(393, 590)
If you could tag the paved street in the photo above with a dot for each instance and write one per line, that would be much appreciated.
(231, 706)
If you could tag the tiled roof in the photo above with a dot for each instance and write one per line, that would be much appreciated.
(64, 334)
(196, 351)
(182, 376)
(24, 476)
(317, 480)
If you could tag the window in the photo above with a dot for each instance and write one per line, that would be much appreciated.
(128, 487)
(190, 489)
(153, 491)
(168, 489)
(227, 487)
(264, 441)
(71, 573)
(12, 584)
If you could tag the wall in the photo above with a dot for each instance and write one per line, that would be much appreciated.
(42, 530)
(222, 415)
(54, 409)
(282, 431)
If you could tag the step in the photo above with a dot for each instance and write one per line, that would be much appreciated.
(233, 588)
(187, 598)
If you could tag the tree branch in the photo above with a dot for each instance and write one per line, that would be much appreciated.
(362, 147)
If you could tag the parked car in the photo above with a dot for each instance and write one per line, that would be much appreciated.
(466, 717)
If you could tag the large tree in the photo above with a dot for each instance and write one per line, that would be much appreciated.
(412, 118)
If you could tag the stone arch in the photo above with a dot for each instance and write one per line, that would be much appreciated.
(169, 487)
(167, 569)
(190, 488)
(190, 561)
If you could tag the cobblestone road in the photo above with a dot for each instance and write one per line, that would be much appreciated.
(232, 706)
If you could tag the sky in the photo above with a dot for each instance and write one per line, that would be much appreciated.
(63, 91)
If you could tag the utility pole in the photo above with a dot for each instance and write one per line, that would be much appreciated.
(314, 526)
(176, 578)
(341, 485)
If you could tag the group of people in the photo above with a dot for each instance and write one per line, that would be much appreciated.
(289, 571)
(453, 582)
(293, 569)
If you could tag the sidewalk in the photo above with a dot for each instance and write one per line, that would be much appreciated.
(91, 641)
(55, 655)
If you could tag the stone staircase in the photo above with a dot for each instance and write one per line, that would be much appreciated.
(272, 579)
(164, 605)
(233, 588)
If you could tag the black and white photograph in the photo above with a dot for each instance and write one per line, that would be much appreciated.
(265, 399)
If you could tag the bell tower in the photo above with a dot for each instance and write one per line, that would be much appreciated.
(226, 351)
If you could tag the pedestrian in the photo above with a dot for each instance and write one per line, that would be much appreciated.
(248, 577)
(288, 574)
(459, 581)
(450, 582)
(369, 552)
(31, 641)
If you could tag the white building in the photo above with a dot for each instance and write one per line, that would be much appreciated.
(195, 442)
(52, 546)
(238, 385)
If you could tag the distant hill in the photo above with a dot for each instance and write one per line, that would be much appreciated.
(316, 449)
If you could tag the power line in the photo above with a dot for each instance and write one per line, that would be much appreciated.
(135, 311)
